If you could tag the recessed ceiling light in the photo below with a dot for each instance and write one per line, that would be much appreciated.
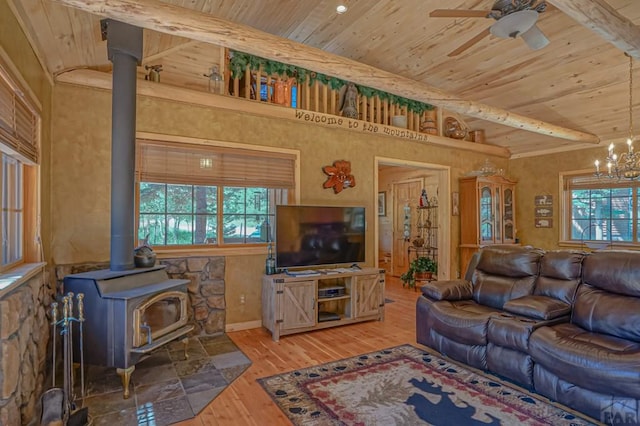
(341, 9)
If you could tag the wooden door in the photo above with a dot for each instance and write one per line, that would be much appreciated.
(404, 194)
(368, 296)
(298, 305)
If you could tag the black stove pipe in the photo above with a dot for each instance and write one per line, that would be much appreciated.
(124, 47)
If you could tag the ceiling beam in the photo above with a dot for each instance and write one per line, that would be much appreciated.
(170, 19)
(600, 17)
(178, 47)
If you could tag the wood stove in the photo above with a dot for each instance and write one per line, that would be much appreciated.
(128, 314)
(128, 311)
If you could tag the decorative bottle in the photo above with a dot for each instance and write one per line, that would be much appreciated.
(270, 263)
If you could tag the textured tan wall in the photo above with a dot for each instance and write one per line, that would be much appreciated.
(27, 305)
(539, 176)
(81, 172)
(15, 44)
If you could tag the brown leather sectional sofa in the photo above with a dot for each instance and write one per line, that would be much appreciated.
(563, 323)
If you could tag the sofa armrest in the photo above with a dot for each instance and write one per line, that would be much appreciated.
(448, 290)
(539, 307)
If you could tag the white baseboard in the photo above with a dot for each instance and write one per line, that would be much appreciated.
(243, 326)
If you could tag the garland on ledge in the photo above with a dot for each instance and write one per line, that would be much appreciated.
(239, 61)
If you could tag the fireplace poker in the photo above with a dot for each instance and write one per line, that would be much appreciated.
(65, 331)
(54, 329)
(71, 319)
(80, 298)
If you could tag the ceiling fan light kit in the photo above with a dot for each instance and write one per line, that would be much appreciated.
(523, 24)
(534, 38)
(513, 25)
(514, 18)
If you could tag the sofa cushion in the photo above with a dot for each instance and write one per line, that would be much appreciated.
(509, 261)
(600, 311)
(598, 362)
(462, 321)
(560, 273)
(495, 291)
(447, 290)
(613, 271)
(505, 273)
(539, 307)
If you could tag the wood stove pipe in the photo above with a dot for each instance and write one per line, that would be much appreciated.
(124, 48)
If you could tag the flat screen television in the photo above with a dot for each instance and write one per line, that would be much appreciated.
(319, 235)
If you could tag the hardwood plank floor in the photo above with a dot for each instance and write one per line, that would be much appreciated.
(244, 402)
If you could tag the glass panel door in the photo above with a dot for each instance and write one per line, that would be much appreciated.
(487, 231)
(509, 231)
(497, 222)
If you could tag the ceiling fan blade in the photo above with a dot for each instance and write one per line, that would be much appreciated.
(534, 38)
(470, 43)
(455, 13)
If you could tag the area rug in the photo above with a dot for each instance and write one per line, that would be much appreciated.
(406, 386)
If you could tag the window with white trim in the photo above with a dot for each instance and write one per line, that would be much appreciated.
(19, 149)
(601, 209)
(202, 194)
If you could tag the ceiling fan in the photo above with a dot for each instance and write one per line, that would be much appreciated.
(514, 18)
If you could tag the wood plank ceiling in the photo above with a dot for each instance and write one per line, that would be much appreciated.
(579, 81)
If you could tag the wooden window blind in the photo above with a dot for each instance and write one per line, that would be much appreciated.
(19, 122)
(183, 163)
(589, 181)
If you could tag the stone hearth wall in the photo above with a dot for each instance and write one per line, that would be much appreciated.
(206, 289)
(24, 355)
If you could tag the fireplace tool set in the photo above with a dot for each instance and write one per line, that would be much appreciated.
(58, 404)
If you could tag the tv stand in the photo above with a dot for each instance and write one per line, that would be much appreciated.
(299, 303)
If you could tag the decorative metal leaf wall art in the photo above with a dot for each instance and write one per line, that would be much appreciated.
(340, 176)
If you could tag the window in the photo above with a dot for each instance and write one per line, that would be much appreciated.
(19, 149)
(601, 209)
(12, 210)
(203, 194)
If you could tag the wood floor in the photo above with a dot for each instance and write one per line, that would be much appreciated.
(246, 403)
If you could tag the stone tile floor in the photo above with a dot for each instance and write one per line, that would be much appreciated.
(165, 388)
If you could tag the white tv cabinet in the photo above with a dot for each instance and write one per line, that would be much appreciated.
(290, 304)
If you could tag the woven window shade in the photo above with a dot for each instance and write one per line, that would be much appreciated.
(18, 124)
(181, 163)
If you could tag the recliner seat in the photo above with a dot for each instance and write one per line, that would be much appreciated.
(594, 359)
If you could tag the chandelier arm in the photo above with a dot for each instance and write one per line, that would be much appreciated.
(625, 165)
(630, 98)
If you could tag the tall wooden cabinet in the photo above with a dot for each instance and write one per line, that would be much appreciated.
(293, 304)
(487, 214)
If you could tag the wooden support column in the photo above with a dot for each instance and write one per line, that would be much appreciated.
(332, 102)
(247, 82)
(259, 84)
(307, 93)
(325, 98)
(316, 96)
(363, 108)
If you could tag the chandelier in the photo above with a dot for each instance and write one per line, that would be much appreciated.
(627, 164)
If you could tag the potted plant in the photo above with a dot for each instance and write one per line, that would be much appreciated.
(421, 268)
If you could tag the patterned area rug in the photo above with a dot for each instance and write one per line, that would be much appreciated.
(406, 386)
